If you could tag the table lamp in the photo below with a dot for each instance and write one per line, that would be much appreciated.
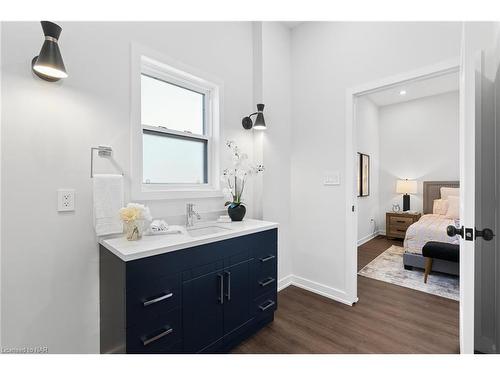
(406, 187)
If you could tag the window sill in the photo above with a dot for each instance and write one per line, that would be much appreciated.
(146, 194)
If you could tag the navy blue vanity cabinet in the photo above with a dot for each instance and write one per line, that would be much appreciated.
(202, 309)
(203, 299)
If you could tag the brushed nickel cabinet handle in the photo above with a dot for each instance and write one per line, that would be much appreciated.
(265, 259)
(158, 299)
(166, 331)
(268, 305)
(266, 282)
(221, 288)
(228, 294)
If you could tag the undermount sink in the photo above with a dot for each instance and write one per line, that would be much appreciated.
(203, 231)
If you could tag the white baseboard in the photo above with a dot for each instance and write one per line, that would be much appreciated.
(365, 239)
(284, 282)
(315, 287)
(371, 237)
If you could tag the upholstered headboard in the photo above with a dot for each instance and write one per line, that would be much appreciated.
(432, 191)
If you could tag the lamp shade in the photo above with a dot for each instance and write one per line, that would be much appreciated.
(406, 186)
(259, 120)
(49, 63)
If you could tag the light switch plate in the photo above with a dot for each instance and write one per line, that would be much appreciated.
(331, 178)
(65, 200)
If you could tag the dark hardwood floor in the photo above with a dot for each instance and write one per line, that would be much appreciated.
(387, 319)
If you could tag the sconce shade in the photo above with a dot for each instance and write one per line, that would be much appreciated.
(259, 120)
(49, 64)
(406, 187)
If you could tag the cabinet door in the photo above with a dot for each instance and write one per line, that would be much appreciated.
(203, 311)
(238, 295)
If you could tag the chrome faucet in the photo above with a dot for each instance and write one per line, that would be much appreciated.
(191, 214)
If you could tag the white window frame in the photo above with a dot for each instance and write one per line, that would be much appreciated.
(149, 62)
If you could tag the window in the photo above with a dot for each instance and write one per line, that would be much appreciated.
(175, 124)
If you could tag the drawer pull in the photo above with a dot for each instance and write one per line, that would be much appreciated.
(263, 260)
(166, 331)
(266, 282)
(267, 305)
(400, 221)
(158, 299)
(401, 230)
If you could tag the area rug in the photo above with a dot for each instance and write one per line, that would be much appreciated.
(388, 267)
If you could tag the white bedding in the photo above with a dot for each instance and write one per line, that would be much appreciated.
(430, 227)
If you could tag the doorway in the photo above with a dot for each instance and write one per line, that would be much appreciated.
(377, 223)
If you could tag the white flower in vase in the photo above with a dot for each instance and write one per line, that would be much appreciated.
(235, 179)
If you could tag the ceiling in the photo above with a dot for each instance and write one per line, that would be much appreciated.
(416, 90)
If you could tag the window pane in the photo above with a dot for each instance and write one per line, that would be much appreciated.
(171, 159)
(170, 106)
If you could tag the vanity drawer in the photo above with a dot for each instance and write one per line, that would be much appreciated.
(265, 285)
(264, 244)
(152, 299)
(160, 335)
(403, 222)
(265, 305)
(265, 265)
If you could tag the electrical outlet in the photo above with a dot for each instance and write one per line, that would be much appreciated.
(65, 200)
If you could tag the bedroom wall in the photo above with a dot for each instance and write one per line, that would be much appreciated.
(418, 140)
(367, 137)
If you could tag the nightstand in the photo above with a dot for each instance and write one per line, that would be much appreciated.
(396, 223)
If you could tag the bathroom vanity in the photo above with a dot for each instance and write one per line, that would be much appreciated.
(202, 291)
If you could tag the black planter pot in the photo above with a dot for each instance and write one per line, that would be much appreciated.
(236, 213)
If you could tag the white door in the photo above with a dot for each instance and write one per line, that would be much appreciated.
(479, 256)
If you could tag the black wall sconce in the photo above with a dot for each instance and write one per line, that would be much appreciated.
(49, 65)
(259, 120)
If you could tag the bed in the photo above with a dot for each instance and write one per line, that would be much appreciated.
(430, 227)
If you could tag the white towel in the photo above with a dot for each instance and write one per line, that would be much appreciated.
(108, 199)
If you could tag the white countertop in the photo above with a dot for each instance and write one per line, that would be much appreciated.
(160, 244)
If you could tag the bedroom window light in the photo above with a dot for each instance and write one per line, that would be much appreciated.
(175, 123)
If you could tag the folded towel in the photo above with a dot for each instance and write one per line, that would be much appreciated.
(224, 219)
(108, 199)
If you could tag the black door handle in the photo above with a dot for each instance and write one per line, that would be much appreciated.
(452, 231)
(486, 233)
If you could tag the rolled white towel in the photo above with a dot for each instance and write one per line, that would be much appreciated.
(158, 226)
(161, 227)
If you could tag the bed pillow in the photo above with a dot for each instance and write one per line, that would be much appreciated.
(440, 207)
(449, 192)
(453, 211)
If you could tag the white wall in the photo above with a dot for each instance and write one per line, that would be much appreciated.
(50, 260)
(418, 140)
(367, 138)
(277, 139)
(328, 58)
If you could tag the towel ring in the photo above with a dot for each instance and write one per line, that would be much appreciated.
(102, 151)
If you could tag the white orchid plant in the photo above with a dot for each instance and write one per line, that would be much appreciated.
(235, 178)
